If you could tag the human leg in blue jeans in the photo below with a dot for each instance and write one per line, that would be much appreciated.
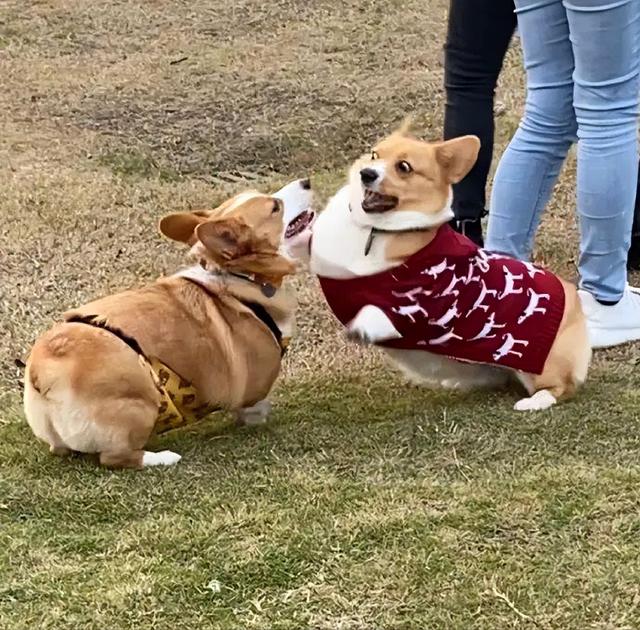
(582, 60)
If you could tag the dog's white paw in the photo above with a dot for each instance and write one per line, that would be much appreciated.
(359, 336)
(163, 458)
(254, 416)
(371, 325)
(542, 399)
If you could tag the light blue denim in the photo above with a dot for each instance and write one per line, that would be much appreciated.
(582, 59)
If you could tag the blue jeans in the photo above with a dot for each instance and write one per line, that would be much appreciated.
(582, 59)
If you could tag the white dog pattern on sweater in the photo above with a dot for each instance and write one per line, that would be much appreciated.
(455, 299)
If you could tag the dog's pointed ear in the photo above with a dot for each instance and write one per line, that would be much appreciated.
(225, 239)
(181, 226)
(405, 126)
(458, 156)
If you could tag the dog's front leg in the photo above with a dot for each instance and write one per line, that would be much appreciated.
(371, 325)
(253, 416)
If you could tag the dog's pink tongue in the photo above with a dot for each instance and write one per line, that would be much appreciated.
(302, 222)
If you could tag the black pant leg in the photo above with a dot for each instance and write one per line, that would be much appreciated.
(633, 261)
(479, 32)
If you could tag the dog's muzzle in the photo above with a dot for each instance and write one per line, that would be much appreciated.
(375, 202)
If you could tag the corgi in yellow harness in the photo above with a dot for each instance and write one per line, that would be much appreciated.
(164, 355)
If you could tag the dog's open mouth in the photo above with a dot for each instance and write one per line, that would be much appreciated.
(378, 202)
(299, 224)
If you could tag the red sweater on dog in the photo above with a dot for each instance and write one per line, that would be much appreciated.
(455, 299)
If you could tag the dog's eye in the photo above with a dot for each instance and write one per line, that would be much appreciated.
(404, 167)
(276, 206)
(374, 155)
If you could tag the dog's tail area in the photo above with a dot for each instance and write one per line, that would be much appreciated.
(44, 362)
(36, 406)
(45, 367)
(580, 344)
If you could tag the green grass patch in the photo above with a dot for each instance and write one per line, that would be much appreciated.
(364, 503)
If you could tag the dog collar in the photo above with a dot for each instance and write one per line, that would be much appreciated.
(267, 289)
(375, 231)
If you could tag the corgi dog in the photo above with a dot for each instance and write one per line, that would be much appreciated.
(122, 368)
(448, 313)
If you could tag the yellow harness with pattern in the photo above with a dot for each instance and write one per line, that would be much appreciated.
(179, 399)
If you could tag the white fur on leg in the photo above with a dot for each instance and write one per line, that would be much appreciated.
(371, 325)
(298, 246)
(163, 458)
(254, 416)
(542, 399)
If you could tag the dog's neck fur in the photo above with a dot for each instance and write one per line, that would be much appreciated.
(339, 243)
(281, 306)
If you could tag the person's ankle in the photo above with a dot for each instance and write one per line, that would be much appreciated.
(633, 258)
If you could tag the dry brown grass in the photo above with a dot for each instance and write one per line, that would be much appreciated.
(366, 504)
(106, 132)
(259, 84)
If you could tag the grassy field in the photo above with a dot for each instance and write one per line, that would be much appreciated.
(365, 503)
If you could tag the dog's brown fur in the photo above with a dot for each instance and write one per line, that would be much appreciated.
(87, 391)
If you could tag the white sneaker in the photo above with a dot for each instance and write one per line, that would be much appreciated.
(612, 325)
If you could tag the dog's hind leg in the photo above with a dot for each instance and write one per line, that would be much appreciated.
(564, 371)
(138, 459)
(60, 451)
(121, 444)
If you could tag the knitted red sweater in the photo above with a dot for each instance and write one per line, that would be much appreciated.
(455, 299)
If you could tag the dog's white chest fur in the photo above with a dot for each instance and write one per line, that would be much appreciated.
(338, 245)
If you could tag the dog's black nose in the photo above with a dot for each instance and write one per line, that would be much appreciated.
(306, 184)
(368, 175)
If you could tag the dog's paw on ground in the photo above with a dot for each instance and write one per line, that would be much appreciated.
(163, 458)
(542, 399)
(254, 416)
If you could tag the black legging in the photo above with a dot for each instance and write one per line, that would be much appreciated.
(478, 36)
